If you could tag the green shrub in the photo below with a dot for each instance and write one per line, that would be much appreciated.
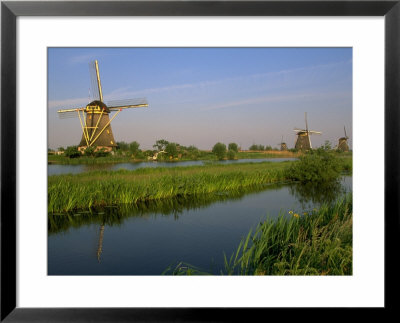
(219, 150)
(101, 153)
(233, 146)
(72, 152)
(317, 165)
(231, 154)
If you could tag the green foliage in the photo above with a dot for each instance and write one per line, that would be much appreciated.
(122, 145)
(318, 165)
(171, 150)
(319, 242)
(231, 154)
(60, 149)
(140, 155)
(268, 148)
(160, 144)
(219, 150)
(233, 146)
(192, 152)
(256, 147)
(97, 188)
(134, 147)
(326, 146)
(89, 151)
(310, 243)
(72, 152)
(101, 153)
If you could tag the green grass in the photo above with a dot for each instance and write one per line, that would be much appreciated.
(203, 155)
(319, 243)
(99, 188)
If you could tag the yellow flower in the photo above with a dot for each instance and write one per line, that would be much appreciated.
(305, 213)
(296, 215)
(290, 212)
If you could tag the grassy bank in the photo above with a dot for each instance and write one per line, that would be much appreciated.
(69, 192)
(203, 155)
(319, 243)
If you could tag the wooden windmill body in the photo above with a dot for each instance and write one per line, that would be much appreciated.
(343, 145)
(303, 141)
(95, 117)
(283, 145)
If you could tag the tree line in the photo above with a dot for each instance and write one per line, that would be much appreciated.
(162, 149)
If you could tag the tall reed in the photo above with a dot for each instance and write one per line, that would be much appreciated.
(69, 192)
(319, 243)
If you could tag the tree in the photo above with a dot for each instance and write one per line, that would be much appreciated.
(134, 147)
(233, 146)
(231, 154)
(122, 145)
(171, 149)
(193, 152)
(327, 145)
(72, 152)
(60, 149)
(161, 144)
(268, 148)
(219, 150)
(256, 147)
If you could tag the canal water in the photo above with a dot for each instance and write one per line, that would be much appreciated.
(149, 238)
(54, 169)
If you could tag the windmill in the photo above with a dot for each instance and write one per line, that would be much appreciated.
(95, 117)
(303, 141)
(342, 145)
(283, 145)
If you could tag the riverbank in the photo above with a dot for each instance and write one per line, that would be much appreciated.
(205, 155)
(309, 243)
(100, 188)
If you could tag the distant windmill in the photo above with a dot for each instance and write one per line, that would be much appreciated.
(342, 145)
(94, 118)
(283, 145)
(303, 141)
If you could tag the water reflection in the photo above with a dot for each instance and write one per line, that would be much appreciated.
(309, 194)
(115, 215)
(58, 169)
(147, 238)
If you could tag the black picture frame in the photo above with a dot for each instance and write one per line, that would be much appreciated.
(10, 10)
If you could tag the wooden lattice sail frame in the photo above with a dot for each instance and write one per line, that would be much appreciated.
(95, 117)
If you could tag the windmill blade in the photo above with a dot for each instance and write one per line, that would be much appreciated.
(69, 113)
(305, 116)
(315, 132)
(345, 132)
(299, 130)
(95, 83)
(126, 104)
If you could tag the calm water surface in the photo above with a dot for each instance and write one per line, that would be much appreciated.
(145, 240)
(54, 169)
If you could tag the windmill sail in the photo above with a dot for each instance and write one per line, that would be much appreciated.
(94, 118)
(127, 103)
(303, 141)
(96, 91)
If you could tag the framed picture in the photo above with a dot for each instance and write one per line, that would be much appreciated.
(36, 34)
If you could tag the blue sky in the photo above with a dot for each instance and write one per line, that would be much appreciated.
(200, 96)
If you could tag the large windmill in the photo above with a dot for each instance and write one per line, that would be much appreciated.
(303, 141)
(95, 117)
(342, 145)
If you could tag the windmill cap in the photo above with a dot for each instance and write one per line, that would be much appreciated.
(101, 104)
